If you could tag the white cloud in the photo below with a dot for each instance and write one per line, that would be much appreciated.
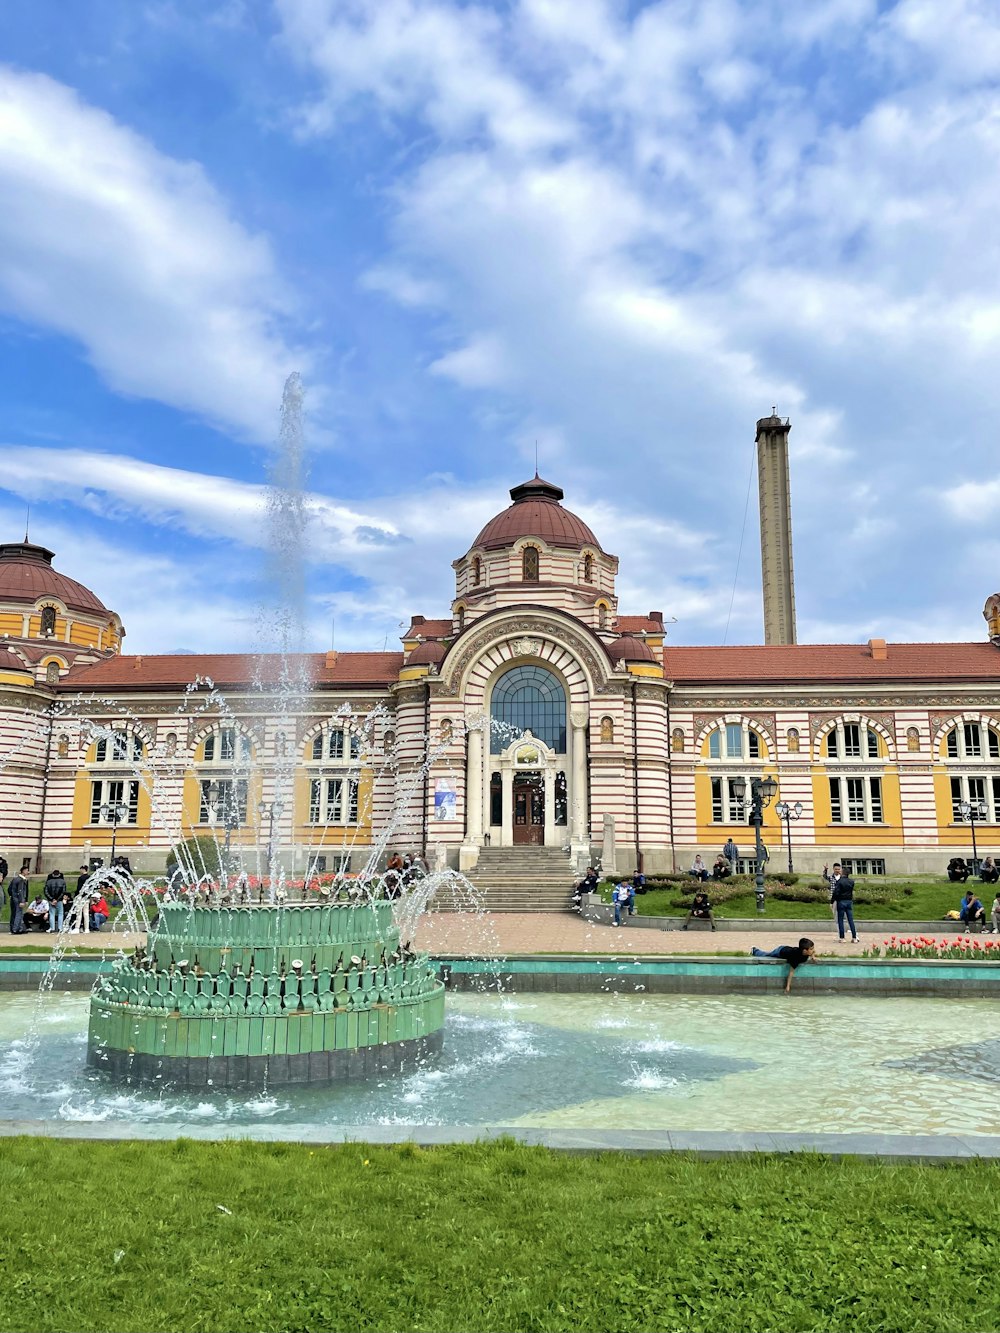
(137, 257)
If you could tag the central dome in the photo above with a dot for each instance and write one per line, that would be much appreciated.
(536, 512)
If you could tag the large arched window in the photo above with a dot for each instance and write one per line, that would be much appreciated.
(528, 698)
(48, 620)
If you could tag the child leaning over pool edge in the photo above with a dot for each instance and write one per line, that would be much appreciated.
(793, 955)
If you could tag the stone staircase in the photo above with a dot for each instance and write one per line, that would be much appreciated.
(524, 879)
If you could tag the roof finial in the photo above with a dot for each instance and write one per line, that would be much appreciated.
(774, 411)
(27, 517)
(536, 458)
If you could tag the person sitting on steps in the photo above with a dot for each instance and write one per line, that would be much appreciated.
(699, 870)
(971, 910)
(701, 910)
(721, 868)
(989, 871)
(958, 871)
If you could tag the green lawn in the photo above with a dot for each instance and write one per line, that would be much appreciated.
(190, 1236)
(915, 900)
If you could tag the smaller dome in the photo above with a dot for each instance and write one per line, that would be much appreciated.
(536, 512)
(628, 649)
(26, 574)
(427, 654)
(11, 662)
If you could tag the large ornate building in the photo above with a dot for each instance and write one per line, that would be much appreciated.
(536, 712)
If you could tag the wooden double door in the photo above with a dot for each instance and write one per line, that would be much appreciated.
(529, 809)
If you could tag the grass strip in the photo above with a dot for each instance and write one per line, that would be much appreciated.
(227, 1236)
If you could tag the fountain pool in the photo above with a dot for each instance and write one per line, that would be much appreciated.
(737, 1063)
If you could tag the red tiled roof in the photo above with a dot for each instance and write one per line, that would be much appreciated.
(638, 625)
(430, 629)
(832, 662)
(174, 671)
(26, 574)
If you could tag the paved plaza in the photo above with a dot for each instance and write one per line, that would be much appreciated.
(509, 934)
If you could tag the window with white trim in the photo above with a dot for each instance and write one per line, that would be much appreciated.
(121, 747)
(337, 743)
(850, 740)
(856, 800)
(333, 801)
(114, 791)
(975, 788)
(734, 740)
(222, 800)
(727, 807)
(227, 745)
(971, 740)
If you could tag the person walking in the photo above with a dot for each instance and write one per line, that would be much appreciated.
(55, 893)
(18, 890)
(842, 898)
(732, 853)
(620, 900)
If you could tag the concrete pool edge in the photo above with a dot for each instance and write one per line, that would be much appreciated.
(589, 974)
(932, 1149)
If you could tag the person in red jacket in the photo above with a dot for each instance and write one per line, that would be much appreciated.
(99, 911)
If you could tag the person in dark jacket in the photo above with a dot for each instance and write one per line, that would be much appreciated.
(958, 871)
(842, 898)
(55, 894)
(18, 889)
(793, 955)
(3, 870)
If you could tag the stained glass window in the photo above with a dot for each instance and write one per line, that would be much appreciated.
(528, 698)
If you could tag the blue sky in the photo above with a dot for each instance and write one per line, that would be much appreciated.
(621, 230)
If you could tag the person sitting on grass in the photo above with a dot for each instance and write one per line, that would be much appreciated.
(971, 910)
(792, 954)
(701, 910)
(699, 870)
(721, 868)
(989, 871)
(958, 871)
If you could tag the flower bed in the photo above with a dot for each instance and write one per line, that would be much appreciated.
(925, 946)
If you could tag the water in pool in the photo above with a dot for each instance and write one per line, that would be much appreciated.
(655, 1062)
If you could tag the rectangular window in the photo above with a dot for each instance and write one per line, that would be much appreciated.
(957, 797)
(355, 746)
(114, 793)
(875, 791)
(352, 802)
(716, 797)
(734, 740)
(952, 747)
(209, 748)
(119, 746)
(753, 745)
(334, 800)
(315, 789)
(864, 865)
(977, 789)
(852, 740)
(836, 810)
(831, 744)
(737, 808)
(335, 749)
(227, 743)
(715, 745)
(872, 744)
(101, 753)
(317, 749)
(96, 801)
(973, 741)
(994, 743)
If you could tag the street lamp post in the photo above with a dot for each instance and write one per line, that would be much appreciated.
(228, 816)
(114, 813)
(789, 813)
(271, 812)
(762, 793)
(973, 810)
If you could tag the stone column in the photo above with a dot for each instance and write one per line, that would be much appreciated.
(474, 789)
(507, 797)
(579, 814)
(549, 789)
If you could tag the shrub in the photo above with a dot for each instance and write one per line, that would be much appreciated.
(201, 852)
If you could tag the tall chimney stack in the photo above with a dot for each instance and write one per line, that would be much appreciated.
(775, 529)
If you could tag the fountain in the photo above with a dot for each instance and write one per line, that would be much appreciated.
(232, 993)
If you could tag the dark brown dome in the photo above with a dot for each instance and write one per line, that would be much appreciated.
(536, 512)
(627, 649)
(427, 654)
(26, 574)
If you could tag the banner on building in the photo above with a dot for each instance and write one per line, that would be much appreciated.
(445, 799)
